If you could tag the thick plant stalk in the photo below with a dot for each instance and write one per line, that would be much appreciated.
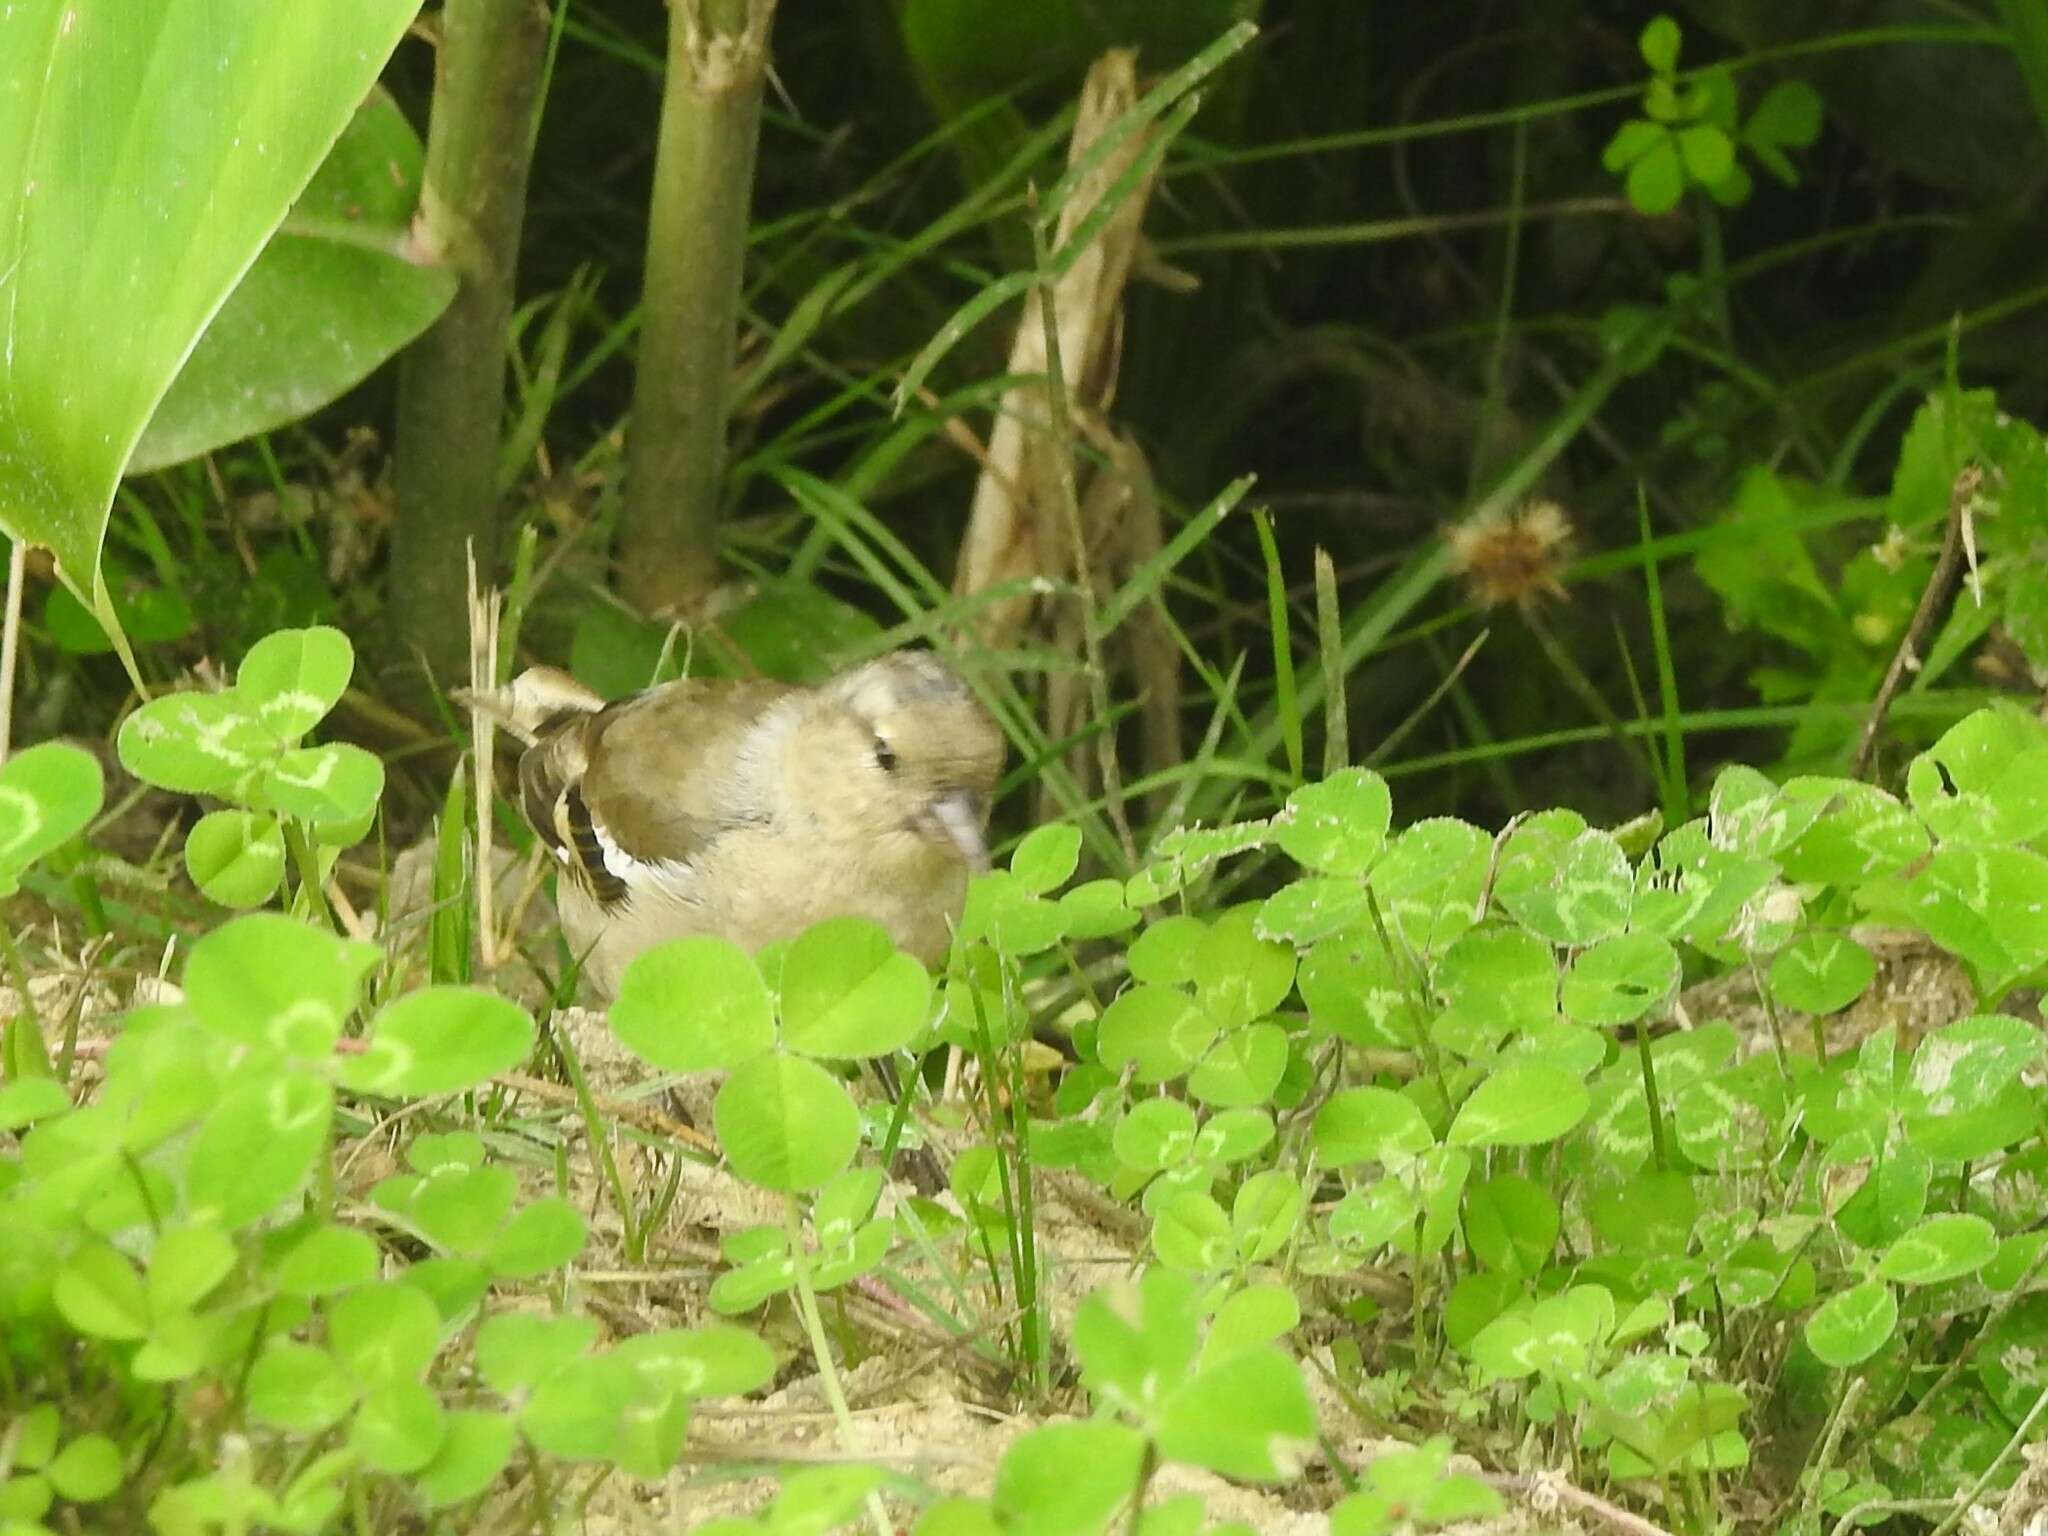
(696, 252)
(451, 383)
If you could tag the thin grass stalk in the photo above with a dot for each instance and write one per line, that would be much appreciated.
(1330, 648)
(696, 257)
(10, 642)
(2026, 24)
(451, 383)
(486, 610)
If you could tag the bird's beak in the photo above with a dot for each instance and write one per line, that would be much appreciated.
(956, 818)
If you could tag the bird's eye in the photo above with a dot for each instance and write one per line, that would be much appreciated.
(885, 757)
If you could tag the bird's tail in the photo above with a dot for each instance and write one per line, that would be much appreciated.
(532, 699)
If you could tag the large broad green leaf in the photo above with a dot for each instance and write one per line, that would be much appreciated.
(330, 298)
(147, 152)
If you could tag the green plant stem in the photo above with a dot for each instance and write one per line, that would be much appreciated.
(821, 1348)
(1148, 1465)
(696, 254)
(451, 383)
(1651, 1097)
(1809, 1505)
(2026, 22)
(1966, 1500)
(306, 859)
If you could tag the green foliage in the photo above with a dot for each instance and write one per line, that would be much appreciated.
(245, 745)
(332, 296)
(1691, 129)
(182, 1231)
(108, 291)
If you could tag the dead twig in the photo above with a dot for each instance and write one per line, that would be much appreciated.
(1546, 1491)
(1940, 587)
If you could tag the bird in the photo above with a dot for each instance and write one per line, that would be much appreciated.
(749, 809)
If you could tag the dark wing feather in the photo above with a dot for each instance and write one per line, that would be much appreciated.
(654, 774)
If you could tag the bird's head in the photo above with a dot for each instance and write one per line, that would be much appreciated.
(900, 748)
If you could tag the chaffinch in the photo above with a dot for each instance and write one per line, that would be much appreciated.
(752, 809)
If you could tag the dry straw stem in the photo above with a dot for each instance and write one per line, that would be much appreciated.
(1016, 526)
(1033, 517)
(1957, 536)
(10, 641)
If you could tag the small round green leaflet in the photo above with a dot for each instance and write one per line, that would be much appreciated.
(1378, 1125)
(1047, 858)
(1097, 910)
(188, 1262)
(1864, 833)
(1940, 1248)
(1003, 913)
(1242, 1068)
(328, 1259)
(1248, 1416)
(541, 1237)
(1192, 1232)
(1265, 1213)
(822, 1498)
(718, 1361)
(337, 784)
(458, 1210)
(291, 679)
(1368, 1219)
(785, 1123)
(1234, 1135)
(474, 1449)
(1239, 976)
(1853, 1325)
(439, 1040)
(87, 1470)
(29, 1099)
(1067, 1479)
(1502, 974)
(694, 1005)
(1985, 780)
(197, 743)
(269, 979)
(1821, 971)
(1511, 1223)
(298, 1387)
(1156, 1134)
(257, 1148)
(1158, 1029)
(47, 795)
(1355, 990)
(1255, 1316)
(236, 857)
(574, 1414)
(384, 1332)
(1164, 954)
(1620, 979)
(518, 1350)
(849, 993)
(1520, 1106)
(1312, 908)
(1429, 881)
(1339, 826)
(99, 1293)
(398, 1427)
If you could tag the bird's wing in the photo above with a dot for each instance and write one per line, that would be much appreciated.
(638, 789)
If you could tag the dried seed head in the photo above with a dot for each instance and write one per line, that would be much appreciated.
(1513, 556)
